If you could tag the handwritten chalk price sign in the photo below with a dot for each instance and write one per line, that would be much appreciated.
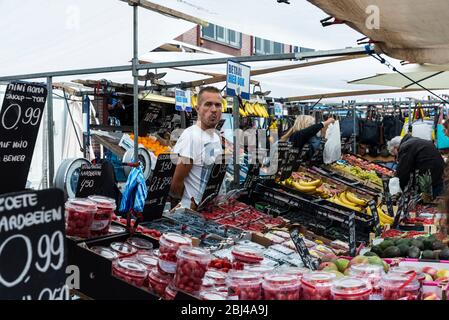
(32, 247)
(159, 185)
(20, 117)
(90, 180)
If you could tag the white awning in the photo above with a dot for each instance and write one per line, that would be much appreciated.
(410, 30)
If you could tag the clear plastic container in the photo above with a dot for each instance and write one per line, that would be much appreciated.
(281, 286)
(217, 277)
(103, 217)
(247, 254)
(79, 214)
(351, 288)
(123, 249)
(211, 295)
(169, 243)
(317, 285)
(142, 245)
(159, 282)
(396, 286)
(116, 229)
(148, 260)
(259, 268)
(170, 292)
(190, 268)
(130, 270)
(371, 272)
(420, 276)
(297, 271)
(244, 285)
(105, 252)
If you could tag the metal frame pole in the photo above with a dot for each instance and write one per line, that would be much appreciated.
(135, 73)
(51, 146)
(354, 109)
(235, 116)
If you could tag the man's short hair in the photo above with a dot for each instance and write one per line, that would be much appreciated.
(209, 89)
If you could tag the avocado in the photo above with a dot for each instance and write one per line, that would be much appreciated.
(377, 250)
(428, 254)
(428, 244)
(438, 245)
(404, 249)
(413, 252)
(417, 243)
(403, 241)
(386, 243)
(444, 254)
(392, 252)
(370, 254)
(421, 238)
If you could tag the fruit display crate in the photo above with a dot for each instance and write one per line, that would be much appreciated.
(380, 169)
(345, 180)
(317, 216)
(96, 279)
(349, 179)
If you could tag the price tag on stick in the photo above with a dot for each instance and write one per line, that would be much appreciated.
(387, 196)
(214, 183)
(159, 186)
(32, 246)
(373, 208)
(304, 253)
(20, 118)
(352, 239)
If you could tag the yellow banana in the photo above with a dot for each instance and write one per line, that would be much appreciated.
(194, 101)
(315, 183)
(307, 189)
(242, 112)
(340, 202)
(257, 109)
(342, 197)
(354, 199)
(248, 108)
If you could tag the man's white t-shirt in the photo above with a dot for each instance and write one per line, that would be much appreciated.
(203, 147)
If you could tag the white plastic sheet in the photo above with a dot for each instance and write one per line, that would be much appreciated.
(332, 148)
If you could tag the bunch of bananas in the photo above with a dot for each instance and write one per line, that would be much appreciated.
(302, 185)
(383, 217)
(349, 200)
(255, 109)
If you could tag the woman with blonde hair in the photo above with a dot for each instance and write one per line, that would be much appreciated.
(304, 130)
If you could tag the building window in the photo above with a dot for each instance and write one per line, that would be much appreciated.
(222, 35)
(263, 46)
(302, 49)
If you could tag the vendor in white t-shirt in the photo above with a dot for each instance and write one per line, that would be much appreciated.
(198, 148)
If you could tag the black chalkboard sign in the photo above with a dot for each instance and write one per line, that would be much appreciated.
(32, 246)
(352, 239)
(148, 120)
(159, 186)
(251, 176)
(90, 180)
(289, 160)
(373, 208)
(304, 253)
(387, 196)
(213, 185)
(20, 118)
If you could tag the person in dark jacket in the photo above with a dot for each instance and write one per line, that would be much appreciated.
(417, 154)
(304, 131)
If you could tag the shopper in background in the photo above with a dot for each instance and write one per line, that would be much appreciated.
(198, 147)
(417, 154)
(304, 131)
